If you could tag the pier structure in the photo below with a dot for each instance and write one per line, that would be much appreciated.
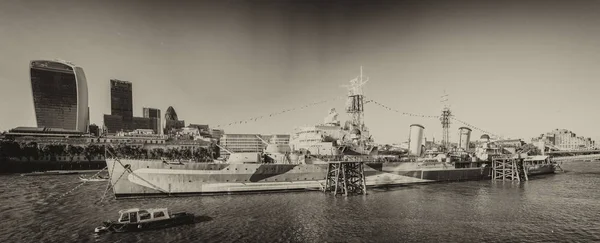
(346, 177)
(509, 168)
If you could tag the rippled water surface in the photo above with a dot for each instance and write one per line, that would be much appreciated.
(564, 207)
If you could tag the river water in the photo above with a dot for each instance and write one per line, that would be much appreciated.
(563, 207)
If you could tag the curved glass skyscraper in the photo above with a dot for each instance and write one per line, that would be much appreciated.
(60, 95)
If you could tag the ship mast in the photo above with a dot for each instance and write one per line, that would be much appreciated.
(355, 101)
(445, 119)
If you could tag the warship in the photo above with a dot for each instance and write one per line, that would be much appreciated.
(299, 165)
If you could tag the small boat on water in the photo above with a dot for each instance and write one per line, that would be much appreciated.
(135, 219)
(97, 178)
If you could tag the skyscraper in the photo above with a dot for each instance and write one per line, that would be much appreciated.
(172, 121)
(60, 95)
(121, 99)
(154, 115)
(121, 108)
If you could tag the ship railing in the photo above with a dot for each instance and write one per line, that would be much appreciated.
(162, 159)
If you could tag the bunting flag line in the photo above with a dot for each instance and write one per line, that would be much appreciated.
(428, 116)
(397, 111)
(280, 112)
(477, 128)
(365, 102)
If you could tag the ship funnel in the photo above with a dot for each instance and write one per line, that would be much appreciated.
(415, 139)
(465, 137)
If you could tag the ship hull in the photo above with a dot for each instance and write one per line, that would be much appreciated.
(155, 178)
(541, 169)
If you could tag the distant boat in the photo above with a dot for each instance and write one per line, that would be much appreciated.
(136, 219)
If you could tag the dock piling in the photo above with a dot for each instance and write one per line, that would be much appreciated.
(508, 169)
(345, 178)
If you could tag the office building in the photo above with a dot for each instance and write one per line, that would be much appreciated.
(121, 99)
(121, 118)
(216, 133)
(60, 95)
(94, 130)
(565, 140)
(154, 115)
(202, 128)
(172, 122)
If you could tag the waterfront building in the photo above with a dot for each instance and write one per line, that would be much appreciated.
(43, 132)
(94, 130)
(121, 99)
(60, 95)
(45, 136)
(186, 133)
(154, 115)
(565, 140)
(180, 144)
(216, 133)
(250, 143)
(121, 118)
(139, 123)
(135, 138)
(172, 125)
(171, 114)
(139, 132)
(172, 122)
(113, 123)
(204, 130)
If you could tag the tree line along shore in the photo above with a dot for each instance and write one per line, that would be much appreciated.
(21, 157)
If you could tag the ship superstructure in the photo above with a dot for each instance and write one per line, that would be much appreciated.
(333, 138)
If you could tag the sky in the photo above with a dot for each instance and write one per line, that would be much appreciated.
(514, 68)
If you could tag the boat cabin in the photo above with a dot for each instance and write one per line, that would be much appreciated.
(537, 160)
(136, 215)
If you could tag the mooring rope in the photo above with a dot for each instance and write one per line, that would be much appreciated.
(109, 184)
(128, 169)
(76, 187)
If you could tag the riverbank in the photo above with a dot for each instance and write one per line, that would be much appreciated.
(15, 166)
